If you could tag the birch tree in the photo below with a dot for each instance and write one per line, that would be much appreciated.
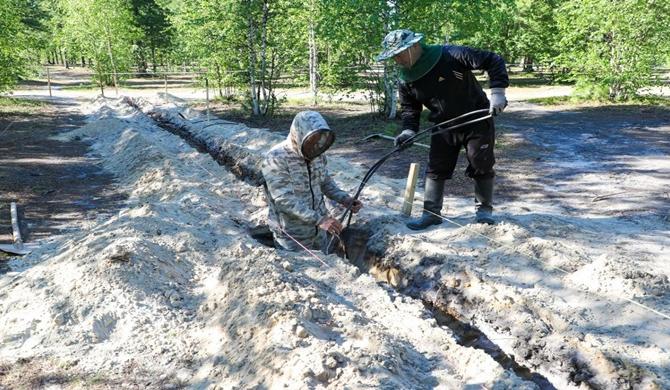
(104, 31)
(11, 56)
(612, 47)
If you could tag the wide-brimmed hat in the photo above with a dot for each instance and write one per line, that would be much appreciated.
(397, 41)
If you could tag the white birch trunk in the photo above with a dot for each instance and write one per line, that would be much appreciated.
(313, 57)
(391, 92)
(111, 58)
(251, 32)
(263, 71)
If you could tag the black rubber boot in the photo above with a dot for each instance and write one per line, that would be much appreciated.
(484, 201)
(432, 201)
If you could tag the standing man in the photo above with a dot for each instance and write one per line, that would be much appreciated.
(296, 180)
(440, 78)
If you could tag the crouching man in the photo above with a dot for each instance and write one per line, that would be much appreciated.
(296, 180)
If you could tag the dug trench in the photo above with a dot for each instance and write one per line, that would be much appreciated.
(541, 348)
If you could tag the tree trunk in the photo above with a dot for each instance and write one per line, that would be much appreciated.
(527, 64)
(83, 62)
(251, 32)
(219, 81)
(390, 16)
(59, 54)
(390, 92)
(64, 54)
(111, 57)
(263, 71)
(153, 59)
(142, 66)
(615, 88)
(313, 59)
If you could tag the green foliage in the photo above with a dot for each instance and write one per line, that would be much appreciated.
(14, 41)
(486, 24)
(611, 47)
(535, 32)
(103, 30)
(155, 32)
(247, 44)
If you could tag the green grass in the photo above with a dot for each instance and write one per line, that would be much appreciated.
(21, 107)
(656, 101)
(10, 102)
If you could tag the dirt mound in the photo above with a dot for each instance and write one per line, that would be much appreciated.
(172, 291)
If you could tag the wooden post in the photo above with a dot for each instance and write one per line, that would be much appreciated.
(49, 81)
(18, 242)
(207, 96)
(409, 189)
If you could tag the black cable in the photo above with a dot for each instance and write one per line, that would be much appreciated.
(381, 161)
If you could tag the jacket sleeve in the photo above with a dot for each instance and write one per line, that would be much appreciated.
(410, 108)
(491, 62)
(278, 181)
(330, 188)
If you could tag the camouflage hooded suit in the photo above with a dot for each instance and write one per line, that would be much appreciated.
(296, 186)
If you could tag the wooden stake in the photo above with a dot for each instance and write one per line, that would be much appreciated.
(409, 189)
(18, 242)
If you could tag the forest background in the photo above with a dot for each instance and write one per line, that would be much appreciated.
(610, 50)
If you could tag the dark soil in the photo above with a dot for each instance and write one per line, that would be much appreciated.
(541, 136)
(352, 123)
(53, 183)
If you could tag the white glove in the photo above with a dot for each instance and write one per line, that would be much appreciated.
(498, 101)
(402, 138)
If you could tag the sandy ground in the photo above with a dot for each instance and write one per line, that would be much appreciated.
(55, 184)
(171, 291)
(582, 237)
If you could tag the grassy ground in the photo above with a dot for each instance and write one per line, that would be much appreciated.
(10, 105)
(654, 101)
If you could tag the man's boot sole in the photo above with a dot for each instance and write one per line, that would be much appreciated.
(485, 220)
(418, 228)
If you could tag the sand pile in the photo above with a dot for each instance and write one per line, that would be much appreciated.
(544, 283)
(172, 291)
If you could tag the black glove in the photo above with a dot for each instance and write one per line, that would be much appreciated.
(403, 139)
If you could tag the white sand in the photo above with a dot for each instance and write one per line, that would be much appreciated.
(172, 288)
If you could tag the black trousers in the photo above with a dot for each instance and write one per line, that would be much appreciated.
(478, 140)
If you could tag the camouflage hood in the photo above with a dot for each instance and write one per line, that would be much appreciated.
(296, 186)
(305, 124)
